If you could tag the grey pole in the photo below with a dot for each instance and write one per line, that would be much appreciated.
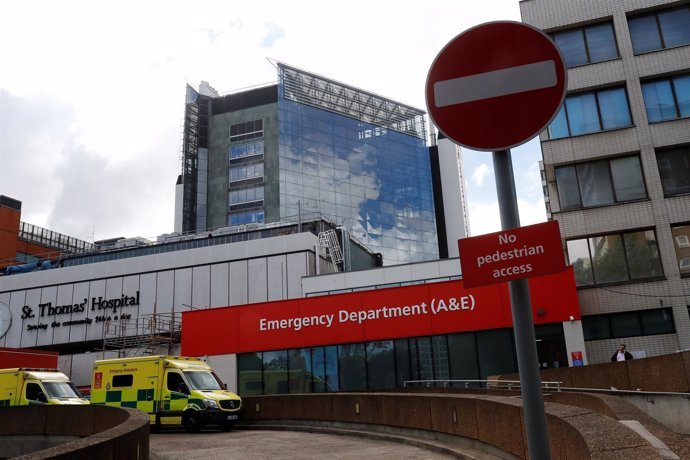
(523, 326)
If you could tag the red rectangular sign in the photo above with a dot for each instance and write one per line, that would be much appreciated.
(381, 314)
(507, 255)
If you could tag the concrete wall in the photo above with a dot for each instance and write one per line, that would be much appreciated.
(670, 410)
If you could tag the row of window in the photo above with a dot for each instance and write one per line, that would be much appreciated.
(628, 324)
(621, 257)
(249, 217)
(593, 111)
(247, 149)
(618, 180)
(246, 130)
(246, 171)
(653, 31)
(377, 365)
(246, 195)
(615, 258)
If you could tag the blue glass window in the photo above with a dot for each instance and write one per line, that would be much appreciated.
(582, 114)
(247, 149)
(373, 180)
(613, 105)
(601, 42)
(667, 99)
(591, 112)
(571, 43)
(585, 45)
(660, 29)
(246, 217)
(559, 126)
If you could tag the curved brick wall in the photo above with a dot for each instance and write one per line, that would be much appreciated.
(574, 432)
(101, 431)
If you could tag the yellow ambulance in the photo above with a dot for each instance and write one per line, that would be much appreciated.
(25, 387)
(172, 390)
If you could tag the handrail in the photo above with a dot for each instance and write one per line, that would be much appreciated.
(509, 384)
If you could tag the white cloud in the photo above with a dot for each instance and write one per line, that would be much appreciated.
(480, 174)
(486, 217)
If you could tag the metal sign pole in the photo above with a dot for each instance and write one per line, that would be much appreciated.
(525, 344)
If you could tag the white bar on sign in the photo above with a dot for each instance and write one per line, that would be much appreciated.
(511, 80)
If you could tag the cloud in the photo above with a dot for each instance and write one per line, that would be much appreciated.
(486, 217)
(274, 34)
(479, 174)
(67, 187)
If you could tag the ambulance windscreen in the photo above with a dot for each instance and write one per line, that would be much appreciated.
(201, 380)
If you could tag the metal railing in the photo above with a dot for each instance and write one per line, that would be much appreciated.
(478, 384)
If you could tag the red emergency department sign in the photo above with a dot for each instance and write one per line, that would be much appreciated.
(381, 314)
(496, 86)
(522, 252)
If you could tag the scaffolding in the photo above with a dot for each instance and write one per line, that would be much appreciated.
(144, 335)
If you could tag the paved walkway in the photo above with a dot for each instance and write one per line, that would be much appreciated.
(260, 444)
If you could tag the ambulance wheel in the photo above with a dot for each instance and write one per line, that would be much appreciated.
(191, 422)
(155, 427)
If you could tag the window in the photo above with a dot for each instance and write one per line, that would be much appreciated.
(681, 236)
(600, 183)
(248, 171)
(674, 170)
(32, 391)
(590, 112)
(248, 130)
(615, 258)
(247, 149)
(585, 45)
(667, 99)
(628, 324)
(123, 380)
(660, 29)
(246, 217)
(246, 195)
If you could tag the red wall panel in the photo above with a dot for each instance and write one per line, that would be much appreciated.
(426, 309)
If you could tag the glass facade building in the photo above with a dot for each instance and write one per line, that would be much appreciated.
(307, 147)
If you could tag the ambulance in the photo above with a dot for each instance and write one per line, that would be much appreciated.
(27, 386)
(172, 390)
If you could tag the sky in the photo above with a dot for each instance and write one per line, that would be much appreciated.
(92, 94)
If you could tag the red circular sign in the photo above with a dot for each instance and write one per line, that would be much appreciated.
(496, 85)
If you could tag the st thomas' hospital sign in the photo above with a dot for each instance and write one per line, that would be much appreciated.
(104, 309)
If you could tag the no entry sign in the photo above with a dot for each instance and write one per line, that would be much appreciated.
(496, 86)
(522, 252)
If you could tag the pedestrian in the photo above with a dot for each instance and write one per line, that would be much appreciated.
(622, 354)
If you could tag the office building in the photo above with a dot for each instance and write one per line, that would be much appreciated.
(616, 167)
(310, 145)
